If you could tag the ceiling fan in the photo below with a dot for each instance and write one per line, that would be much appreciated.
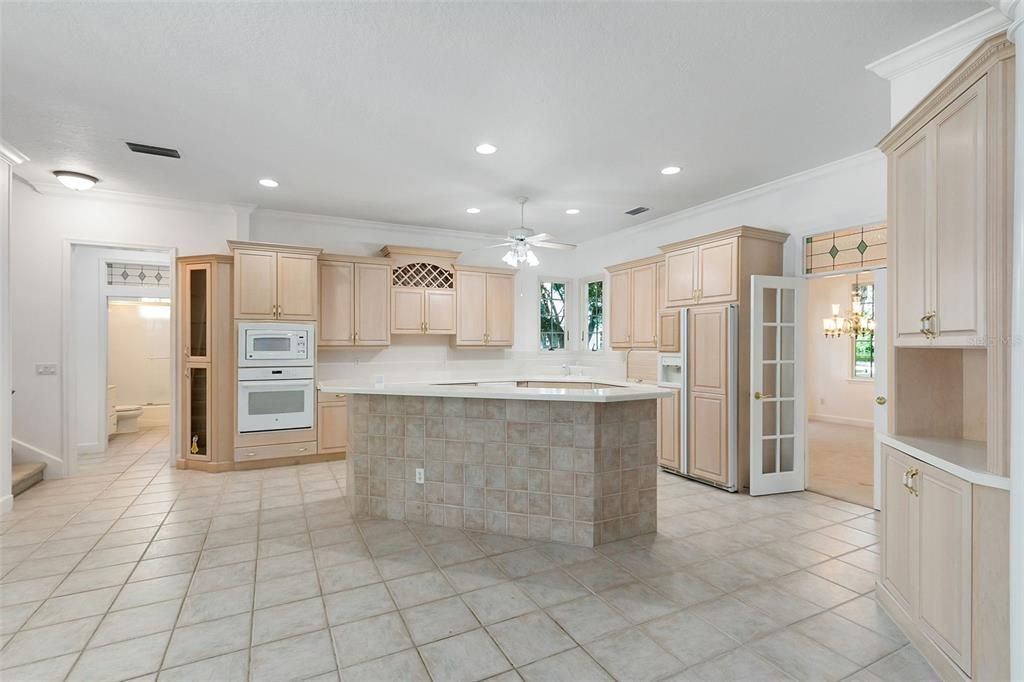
(522, 239)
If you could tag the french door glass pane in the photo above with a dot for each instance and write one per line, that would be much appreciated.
(785, 454)
(768, 456)
(769, 305)
(770, 332)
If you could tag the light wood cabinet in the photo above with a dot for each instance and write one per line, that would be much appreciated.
(668, 331)
(354, 302)
(422, 311)
(668, 430)
(708, 437)
(332, 423)
(706, 273)
(926, 551)
(636, 289)
(620, 303)
(206, 346)
(484, 307)
(275, 282)
(708, 350)
(708, 385)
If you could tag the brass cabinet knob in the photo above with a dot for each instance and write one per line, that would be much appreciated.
(881, 400)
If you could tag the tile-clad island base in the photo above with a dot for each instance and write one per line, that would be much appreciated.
(583, 473)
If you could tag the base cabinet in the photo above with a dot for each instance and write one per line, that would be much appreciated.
(668, 431)
(332, 423)
(928, 563)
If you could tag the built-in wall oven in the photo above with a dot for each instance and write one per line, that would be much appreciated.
(276, 386)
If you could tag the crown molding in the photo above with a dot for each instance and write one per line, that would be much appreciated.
(373, 224)
(1014, 9)
(966, 33)
(58, 190)
(11, 155)
(865, 158)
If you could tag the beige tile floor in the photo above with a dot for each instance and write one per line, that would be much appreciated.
(132, 570)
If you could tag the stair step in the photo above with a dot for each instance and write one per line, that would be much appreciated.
(24, 476)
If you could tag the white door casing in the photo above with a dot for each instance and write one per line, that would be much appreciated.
(778, 416)
(881, 414)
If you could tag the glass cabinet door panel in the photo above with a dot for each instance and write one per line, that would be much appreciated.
(198, 414)
(198, 311)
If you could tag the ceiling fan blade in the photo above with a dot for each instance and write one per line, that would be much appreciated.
(542, 237)
(498, 246)
(554, 245)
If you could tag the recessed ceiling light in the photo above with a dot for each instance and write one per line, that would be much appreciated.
(75, 181)
(472, 210)
(670, 170)
(572, 211)
(267, 182)
(486, 148)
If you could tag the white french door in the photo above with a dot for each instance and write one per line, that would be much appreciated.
(778, 445)
(881, 378)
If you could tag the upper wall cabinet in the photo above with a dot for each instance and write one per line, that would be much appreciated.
(635, 297)
(704, 270)
(354, 301)
(484, 306)
(950, 204)
(422, 291)
(275, 282)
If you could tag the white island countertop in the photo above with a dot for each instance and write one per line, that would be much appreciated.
(509, 388)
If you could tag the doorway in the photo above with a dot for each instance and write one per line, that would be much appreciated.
(117, 347)
(844, 361)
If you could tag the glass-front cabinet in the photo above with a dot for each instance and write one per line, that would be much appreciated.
(197, 412)
(197, 312)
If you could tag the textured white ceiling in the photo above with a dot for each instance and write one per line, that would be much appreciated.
(372, 110)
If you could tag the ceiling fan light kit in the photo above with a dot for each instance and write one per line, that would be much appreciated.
(521, 241)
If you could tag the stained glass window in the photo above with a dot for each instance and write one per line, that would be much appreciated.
(855, 248)
(138, 275)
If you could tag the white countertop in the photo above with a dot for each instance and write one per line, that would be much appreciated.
(964, 459)
(504, 388)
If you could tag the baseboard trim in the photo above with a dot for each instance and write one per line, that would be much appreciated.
(6, 503)
(846, 421)
(23, 451)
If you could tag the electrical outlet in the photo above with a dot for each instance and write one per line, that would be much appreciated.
(46, 369)
(419, 475)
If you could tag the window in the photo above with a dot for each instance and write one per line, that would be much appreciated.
(864, 344)
(552, 315)
(593, 314)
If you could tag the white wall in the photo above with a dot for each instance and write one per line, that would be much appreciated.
(139, 352)
(41, 226)
(845, 193)
(832, 394)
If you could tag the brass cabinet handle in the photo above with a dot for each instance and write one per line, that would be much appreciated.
(881, 400)
(301, 449)
(355, 337)
(927, 325)
(909, 478)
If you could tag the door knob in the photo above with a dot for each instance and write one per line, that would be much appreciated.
(758, 395)
(881, 400)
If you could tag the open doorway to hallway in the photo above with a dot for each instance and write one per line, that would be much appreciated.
(842, 362)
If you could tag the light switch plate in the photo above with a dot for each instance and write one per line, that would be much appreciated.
(419, 475)
(46, 369)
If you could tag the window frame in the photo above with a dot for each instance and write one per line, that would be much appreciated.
(583, 312)
(568, 324)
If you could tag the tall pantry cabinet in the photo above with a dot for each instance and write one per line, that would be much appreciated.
(945, 506)
(206, 345)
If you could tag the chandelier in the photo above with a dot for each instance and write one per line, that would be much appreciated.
(856, 323)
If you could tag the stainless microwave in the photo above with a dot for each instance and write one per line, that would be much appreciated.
(262, 344)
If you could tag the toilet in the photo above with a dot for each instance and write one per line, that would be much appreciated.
(127, 418)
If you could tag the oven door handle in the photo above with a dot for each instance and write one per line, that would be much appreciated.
(276, 383)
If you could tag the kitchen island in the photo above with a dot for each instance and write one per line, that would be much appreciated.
(566, 459)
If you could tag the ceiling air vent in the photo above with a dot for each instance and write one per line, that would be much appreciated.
(155, 151)
(637, 211)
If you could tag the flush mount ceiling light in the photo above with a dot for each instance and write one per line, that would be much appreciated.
(670, 170)
(486, 148)
(267, 182)
(76, 181)
(473, 210)
(521, 241)
(572, 211)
